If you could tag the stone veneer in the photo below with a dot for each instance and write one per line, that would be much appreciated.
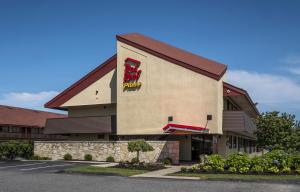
(100, 150)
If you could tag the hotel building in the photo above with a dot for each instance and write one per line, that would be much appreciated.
(154, 91)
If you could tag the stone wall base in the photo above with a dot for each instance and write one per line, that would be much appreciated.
(100, 150)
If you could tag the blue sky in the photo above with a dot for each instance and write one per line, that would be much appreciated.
(45, 46)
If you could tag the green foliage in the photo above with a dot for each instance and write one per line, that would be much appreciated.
(68, 157)
(232, 170)
(240, 162)
(295, 160)
(273, 169)
(135, 160)
(258, 163)
(88, 157)
(243, 169)
(137, 146)
(286, 170)
(216, 162)
(110, 159)
(167, 161)
(194, 169)
(36, 157)
(13, 149)
(207, 168)
(184, 169)
(257, 169)
(297, 170)
(278, 158)
(278, 131)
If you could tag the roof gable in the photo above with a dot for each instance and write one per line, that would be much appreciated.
(232, 91)
(175, 55)
(83, 83)
(25, 117)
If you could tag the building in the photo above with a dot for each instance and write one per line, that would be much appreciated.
(20, 123)
(157, 92)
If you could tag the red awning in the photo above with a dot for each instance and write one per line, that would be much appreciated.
(175, 128)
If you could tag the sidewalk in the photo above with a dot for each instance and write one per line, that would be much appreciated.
(164, 173)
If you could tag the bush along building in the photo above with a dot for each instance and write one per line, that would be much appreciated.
(177, 101)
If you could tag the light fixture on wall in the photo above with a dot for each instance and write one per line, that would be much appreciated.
(209, 117)
(170, 118)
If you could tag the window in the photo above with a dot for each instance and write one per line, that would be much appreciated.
(234, 142)
(230, 142)
(100, 136)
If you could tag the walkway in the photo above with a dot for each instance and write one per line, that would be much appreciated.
(164, 173)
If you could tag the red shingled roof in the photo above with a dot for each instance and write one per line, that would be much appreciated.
(25, 117)
(175, 55)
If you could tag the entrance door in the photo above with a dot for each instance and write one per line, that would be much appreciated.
(201, 144)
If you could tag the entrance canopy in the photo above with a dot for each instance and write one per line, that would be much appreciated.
(183, 129)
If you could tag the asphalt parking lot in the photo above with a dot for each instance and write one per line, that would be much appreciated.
(36, 176)
(36, 166)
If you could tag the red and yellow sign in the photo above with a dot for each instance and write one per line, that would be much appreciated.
(132, 74)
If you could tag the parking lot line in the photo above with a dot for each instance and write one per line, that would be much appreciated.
(10, 166)
(49, 166)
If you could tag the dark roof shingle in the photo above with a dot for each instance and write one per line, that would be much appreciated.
(178, 56)
(25, 117)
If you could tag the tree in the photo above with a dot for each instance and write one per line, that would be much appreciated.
(278, 131)
(137, 146)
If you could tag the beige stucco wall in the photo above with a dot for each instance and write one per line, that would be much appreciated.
(106, 87)
(93, 110)
(167, 90)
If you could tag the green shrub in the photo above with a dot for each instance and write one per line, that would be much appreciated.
(278, 158)
(110, 159)
(286, 170)
(135, 160)
(216, 162)
(243, 169)
(36, 157)
(295, 160)
(138, 146)
(167, 161)
(257, 169)
(273, 169)
(183, 169)
(297, 170)
(232, 170)
(207, 168)
(194, 169)
(258, 163)
(12, 149)
(240, 162)
(68, 157)
(88, 157)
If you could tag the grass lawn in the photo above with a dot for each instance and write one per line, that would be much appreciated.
(105, 170)
(216, 176)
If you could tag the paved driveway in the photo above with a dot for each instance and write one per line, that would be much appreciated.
(36, 176)
(35, 166)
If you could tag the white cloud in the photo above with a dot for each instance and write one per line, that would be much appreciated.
(27, 100)
(272, 92)
(295, 70)
(292, 60)
(292, 64)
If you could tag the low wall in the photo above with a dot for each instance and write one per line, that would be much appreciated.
(100, 150)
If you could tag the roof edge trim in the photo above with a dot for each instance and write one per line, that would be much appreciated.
(172, 60)
(83, 83)
(242, 92)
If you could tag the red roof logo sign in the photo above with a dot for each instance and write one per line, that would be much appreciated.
(132, 74)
